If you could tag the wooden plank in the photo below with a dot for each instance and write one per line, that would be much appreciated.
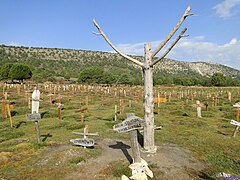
(33, 117)
(87, 134)
(83, 142)
(131, 123)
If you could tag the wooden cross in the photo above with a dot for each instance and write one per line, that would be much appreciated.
(85, 142)
(82, 113)
(237, 106)
(50, 98)
(131, 125)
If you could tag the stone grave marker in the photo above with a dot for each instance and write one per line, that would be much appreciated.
(198, 106)
(35, 100)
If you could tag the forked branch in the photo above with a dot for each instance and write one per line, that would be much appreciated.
(169, 36)
(170, 48)
(114, 47)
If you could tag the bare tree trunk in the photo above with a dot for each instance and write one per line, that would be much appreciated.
(148, 101)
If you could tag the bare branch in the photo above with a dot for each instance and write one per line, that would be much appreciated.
(170, 48)
(114, 47)
(169, 36)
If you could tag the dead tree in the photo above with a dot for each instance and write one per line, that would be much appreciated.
(147, 70)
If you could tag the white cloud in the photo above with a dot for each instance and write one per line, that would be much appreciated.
(226, 54)
(195, 49)
(225, 8)
(14, 44)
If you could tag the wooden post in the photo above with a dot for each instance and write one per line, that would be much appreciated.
(206, 105)
(149, 144)
(169, 97)
(134, 143)
(135, 147)
(4, 114)
(121, 106)
(29, 103)
(129, 103)
(9, 114)
(87, 103)
(37, 128)
(115, 113)
(82, 116)
(17, 89)
(213, 101)
(59, 113)
(50, 98)
(158, 103)
(182, 104)
(237, 119)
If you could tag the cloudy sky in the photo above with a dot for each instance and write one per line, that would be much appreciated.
(214, 29)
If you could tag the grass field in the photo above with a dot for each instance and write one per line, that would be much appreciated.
(209, 138)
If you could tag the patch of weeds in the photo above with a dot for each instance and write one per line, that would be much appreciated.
(208, 114)
(58, 125)
(77, 160)
(93, 153)
(9, 134)
(157, 174)
(75, 126)
(110, 124)
(46, 114)
(224, 163)
(37, 146)
(229, 115)
(180, 113)
(119, 168)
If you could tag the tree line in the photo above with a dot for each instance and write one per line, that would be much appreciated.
(109, 75)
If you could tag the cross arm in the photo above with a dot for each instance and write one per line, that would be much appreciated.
(114, 47)
(170, 48)
(169, 36)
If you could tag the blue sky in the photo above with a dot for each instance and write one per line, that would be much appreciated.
(214, 30)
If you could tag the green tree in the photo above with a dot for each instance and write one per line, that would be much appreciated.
(91, 75)
(20, 72)
(5, 70)
(218, 79)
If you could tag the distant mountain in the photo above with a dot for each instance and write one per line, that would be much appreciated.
(199, 68)
(59, 62)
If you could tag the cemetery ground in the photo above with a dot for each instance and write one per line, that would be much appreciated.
(188, 147)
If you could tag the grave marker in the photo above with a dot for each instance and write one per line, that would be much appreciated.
(237, 106)
(35, 116)
(4, 101)
(85, 142)
(82, 113)
(35, 100)
(198, 106)
(9, 114)
(131, 125)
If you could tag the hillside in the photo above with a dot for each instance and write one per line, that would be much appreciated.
(52, 62)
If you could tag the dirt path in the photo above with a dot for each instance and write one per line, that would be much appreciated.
(174, 162)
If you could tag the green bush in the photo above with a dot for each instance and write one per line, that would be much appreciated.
(20, 72)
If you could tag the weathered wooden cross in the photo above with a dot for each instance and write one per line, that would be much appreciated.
(85, 142)
(147, 71)
(236, 123)
(131, 125)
